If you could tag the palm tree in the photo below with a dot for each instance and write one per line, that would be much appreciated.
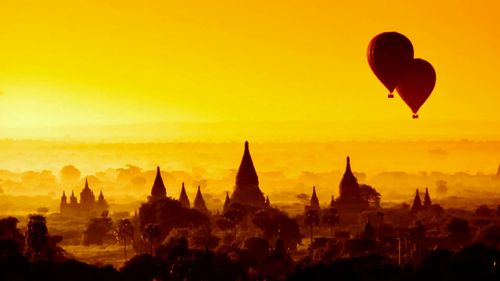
(331, 218)
(312, 219)
(124, 230)
(151, 232)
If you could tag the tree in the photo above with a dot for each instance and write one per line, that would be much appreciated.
(9, 230)
(42, 210)
(124, 231)
(370, 195)
(483, 211)
(235, 214)
(331, 218)
(458, 229)
(145, 268)
(36, 235)
(225, 224)
(97, 230)
(259, 247)
(442, 187)
(150, 233)
(169, 214)
(311, 219)
(272, 222)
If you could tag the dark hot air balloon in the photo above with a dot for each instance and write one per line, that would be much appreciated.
(389, 54)
(417, 84)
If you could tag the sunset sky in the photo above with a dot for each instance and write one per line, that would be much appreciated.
(66, 65)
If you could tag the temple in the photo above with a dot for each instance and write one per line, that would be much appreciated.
(332, 202)
(417, 203)
(87, 205)
(246, 190)
(158, 191)
(349, 195)
(267, 203)
(427, 199)
(183, 198)
(227, 203)
(314, 202)
(199, 202)
(418, 206)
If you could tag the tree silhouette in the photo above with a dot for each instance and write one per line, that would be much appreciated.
(124, 231)
(225, 224)
(483, 211)
(458, 229)
(331, 218)
(97, 230)
(150, 233)
(311, 219)
(36, 235)
(273, 221)
(370, 195)
(235, 214)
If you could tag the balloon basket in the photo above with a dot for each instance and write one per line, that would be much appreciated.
(415, 116)
(391, 95)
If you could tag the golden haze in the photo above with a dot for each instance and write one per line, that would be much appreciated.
(117, 62)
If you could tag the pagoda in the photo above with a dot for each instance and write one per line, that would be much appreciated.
(246, 190)
(158, 191)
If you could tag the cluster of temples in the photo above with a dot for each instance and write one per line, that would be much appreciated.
(247, 191)
(159, 192)
(88, 204)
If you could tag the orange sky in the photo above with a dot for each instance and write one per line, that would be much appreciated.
(80, 63)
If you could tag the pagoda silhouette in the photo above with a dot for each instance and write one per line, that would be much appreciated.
(158, 191)
(417, 205)
(246, 190)
(349, 195)
(88, 204)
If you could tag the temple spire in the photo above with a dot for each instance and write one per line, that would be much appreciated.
(349, 187)
(183, 198)
(63, 198)
(246, 190)
(314, 202)
(348, 165)
(227, 203)
(332, 202)
(199, 202)
(158, 191)
(246, 172)
(427, 198)
(72, 198)
(417, 203)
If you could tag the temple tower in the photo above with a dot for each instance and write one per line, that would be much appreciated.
(314, 202)
(199, 202)
(87, 198)
(183, 198)
(417, 203)
(427, 199)
(246, 190)
(158, 191)
(227, 203)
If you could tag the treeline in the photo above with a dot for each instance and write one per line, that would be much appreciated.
(175, 261)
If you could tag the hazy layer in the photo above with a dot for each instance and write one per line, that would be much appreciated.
(124, 171)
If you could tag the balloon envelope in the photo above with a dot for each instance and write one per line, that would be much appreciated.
(417, 84)
(389, 54)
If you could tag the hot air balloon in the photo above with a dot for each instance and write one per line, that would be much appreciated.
(389, 54)
(417, 84)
